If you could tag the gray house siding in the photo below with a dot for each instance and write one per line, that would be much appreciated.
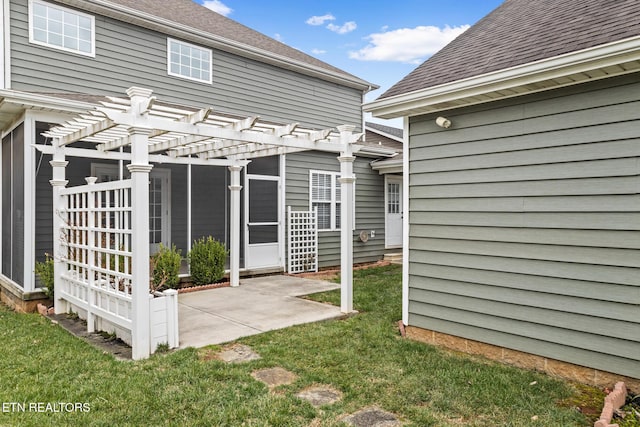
(369, 204)
(525, 224)
(240, 86)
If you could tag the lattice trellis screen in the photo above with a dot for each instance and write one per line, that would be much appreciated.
(96, 236)
(303, 240)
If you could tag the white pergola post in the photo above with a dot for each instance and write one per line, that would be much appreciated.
(58, 182)
(234, 250)
(346, 219)
(139, 169)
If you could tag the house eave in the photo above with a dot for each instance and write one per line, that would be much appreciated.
(387, 166)
(604, 61)
(13, 103)
(368, 150)
(165, 26)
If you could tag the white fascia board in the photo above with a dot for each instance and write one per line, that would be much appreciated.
(44, 101)
(577, 62)
(165, 26)
(387, 166)
(376, 151)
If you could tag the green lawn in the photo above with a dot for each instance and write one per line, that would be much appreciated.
(362, 356)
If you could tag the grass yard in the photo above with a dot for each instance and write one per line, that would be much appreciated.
(362, 356)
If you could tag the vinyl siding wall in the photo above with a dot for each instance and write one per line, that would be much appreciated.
(525, 224)
(369, 202)
(128, 55)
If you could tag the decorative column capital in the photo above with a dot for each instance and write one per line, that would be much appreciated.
(135, 130)
(139, 91)
(58, 163)
(58, 182)
(346, 158)
(235, 187)
(139, 168)
(235, 168)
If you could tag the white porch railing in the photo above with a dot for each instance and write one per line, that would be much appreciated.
(303, 241)
(96, 257)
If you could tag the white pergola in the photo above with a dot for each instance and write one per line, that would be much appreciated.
(141, 131)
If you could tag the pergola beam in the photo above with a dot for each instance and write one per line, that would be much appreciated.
(154, 158)
(82, 133)
(205, 130)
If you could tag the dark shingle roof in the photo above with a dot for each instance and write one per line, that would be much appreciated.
(519, 32)
(191, 14)
(397, 132)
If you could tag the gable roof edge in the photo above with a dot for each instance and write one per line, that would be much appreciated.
(603, 61)
(165, 26)
(383, 133)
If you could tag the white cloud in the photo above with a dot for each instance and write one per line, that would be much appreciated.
(318, 51)
(410, 45)
(278, 37)
(217, 6)
(347, 27)
(319, 20)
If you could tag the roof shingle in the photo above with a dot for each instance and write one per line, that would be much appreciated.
(519, 32)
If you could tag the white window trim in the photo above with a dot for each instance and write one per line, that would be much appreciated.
(334, 202)
(52, 46)
(169, 72)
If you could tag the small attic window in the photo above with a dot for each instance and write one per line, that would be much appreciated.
(188, 61)
(61, 28)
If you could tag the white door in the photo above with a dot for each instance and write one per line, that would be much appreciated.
(393, 202)
(159, 206)
(262, 215)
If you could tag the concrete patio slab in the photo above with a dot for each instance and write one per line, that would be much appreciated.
(258, 305)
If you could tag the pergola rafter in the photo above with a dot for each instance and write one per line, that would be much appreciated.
(155, 132)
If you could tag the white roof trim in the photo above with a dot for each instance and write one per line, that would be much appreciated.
(48, 102)
(611, 59)
(387, 166)
(168, 27)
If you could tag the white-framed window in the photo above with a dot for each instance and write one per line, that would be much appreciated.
(61, 28)
(324, 194)
(188, 61)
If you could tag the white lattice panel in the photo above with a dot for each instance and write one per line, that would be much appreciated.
(303, 241)
(96, 236)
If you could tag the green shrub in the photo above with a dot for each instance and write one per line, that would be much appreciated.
(166, 267)
(44, 270)
(206, 259)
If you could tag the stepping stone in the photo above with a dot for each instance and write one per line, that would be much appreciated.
(237, 353)
(320, 395)
(274, 377)
(372, 417)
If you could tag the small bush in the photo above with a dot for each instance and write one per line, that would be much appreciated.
(206, 259)
(166, 267)
(44, 270)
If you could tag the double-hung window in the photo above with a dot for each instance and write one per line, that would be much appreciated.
(61, 28)
(324, 195)
(188, 61)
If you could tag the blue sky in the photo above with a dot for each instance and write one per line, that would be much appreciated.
(379, 41)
